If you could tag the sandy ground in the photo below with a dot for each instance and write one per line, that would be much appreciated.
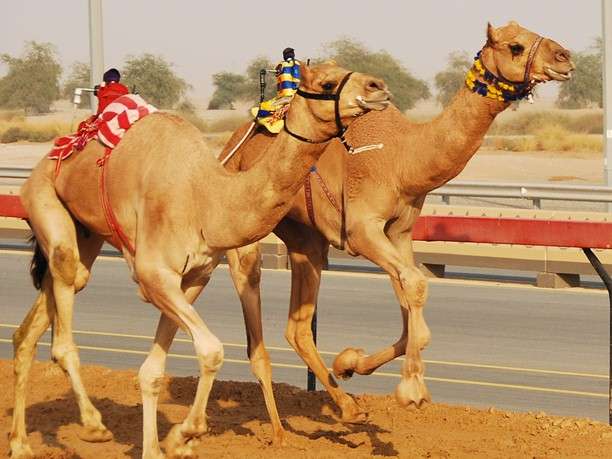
(239, 426)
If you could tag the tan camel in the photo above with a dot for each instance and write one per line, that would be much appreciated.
(182, 210)
(368, 202)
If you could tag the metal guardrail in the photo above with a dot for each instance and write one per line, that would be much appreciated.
(533, 192)
(460, 188)
(15, 172)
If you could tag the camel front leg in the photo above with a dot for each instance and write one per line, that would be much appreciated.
(162, 286)
(305, 280)
(367, 237)
(245, 269)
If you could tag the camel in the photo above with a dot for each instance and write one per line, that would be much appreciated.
(368, 202)
(182, 210)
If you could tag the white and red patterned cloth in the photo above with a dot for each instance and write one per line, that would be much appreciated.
(108, 127)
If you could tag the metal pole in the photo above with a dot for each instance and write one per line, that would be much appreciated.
(608, 283)
(606, 13)
(311, 384)
(96, 50)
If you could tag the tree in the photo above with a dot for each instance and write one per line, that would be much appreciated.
(79, 77)
(229, 87)
(232, 87)
(153, 78)
(406, 89)
(251, 89)
(584, 89)
(452, 78)
(32, 81)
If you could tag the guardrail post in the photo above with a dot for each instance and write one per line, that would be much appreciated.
(608, 283)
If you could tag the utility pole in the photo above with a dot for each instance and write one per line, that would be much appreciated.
(606, 13)
(96, 50)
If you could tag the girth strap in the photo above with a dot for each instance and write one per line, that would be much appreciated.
(326, 191)
(120, 239)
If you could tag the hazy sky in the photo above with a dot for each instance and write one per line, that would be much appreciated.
(201, 38)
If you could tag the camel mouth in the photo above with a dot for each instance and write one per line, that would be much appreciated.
(373, 104)
(557, 76)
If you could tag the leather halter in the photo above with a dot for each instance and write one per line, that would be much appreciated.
(323, 96)
(523, 87)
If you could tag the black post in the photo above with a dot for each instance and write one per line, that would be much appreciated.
(608, 283)
(262, 85)
(312, 379)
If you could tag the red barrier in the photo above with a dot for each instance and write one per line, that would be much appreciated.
(10, 206)
(552, 233)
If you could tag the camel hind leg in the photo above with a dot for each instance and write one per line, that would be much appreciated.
(71, 257)
(245, 268)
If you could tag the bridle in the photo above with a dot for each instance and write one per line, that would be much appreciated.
(507, 89)
(323, 96)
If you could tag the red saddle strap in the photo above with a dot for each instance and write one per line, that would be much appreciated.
(120, 239)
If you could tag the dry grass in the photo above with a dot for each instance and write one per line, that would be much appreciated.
(11, 115)
(227, 123)
(550, 137)
(14, 131)
(531, 122)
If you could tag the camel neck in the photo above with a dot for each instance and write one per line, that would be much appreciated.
(457, 133)
(255, 200)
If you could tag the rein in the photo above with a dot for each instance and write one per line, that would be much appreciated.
(497, 87)
(322, 96)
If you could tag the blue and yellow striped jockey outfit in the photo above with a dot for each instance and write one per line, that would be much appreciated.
(271, 113)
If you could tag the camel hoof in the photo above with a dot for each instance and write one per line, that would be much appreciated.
(279, 440)
(346, 362)
(20, 450)
(95, 434)
(352, 412)
(412, 391)
(181, 443)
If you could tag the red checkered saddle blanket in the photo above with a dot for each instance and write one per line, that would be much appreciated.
(108, 127)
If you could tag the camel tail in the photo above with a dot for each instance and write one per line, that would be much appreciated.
(38, 265)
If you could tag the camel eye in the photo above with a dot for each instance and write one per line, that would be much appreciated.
(328, 86)
(516, 49)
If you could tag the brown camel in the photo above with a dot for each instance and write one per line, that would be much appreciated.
(182, 210)
(367, 203)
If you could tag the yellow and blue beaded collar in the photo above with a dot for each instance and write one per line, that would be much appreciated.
(493, 87)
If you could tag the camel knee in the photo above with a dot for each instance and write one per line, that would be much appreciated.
(210, 355)
(65, 354)
(63, 262)
(414, 284)
(150, 377)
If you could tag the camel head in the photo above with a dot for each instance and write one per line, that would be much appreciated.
(333, 96)
(519, 56)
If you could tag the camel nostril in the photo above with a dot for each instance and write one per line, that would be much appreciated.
(376, 85)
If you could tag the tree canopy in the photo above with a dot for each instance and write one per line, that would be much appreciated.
(153, 78)
(233, 87)
(451, 79)
(32, 81)
(584, 89)
(407, 90)
(79, 77)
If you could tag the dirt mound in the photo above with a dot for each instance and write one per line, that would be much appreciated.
(239, 425)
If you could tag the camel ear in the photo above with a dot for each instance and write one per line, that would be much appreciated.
(305, 73)
(492, 35)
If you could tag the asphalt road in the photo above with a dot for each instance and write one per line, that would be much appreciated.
(510, 346)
